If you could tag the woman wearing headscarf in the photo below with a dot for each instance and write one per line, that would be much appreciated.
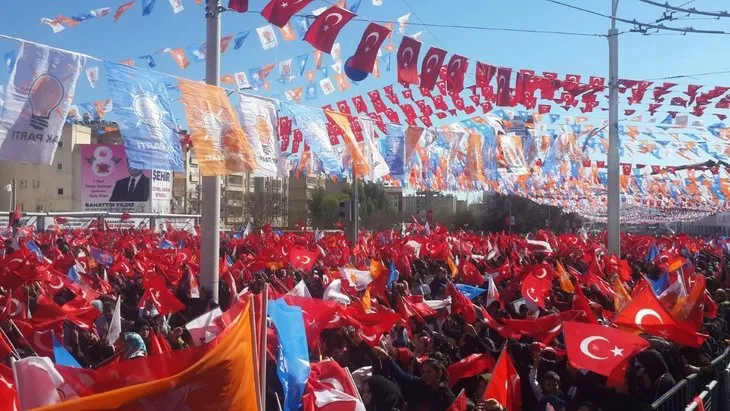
(430, 391)
(649, 378)
(381, 394)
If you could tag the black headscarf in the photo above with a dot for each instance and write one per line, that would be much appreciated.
(385, 394)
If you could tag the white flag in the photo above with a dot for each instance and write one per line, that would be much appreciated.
(300, 290)
(337, 67)
(378, 167)
(403, 23)
(39, 95)
(204, 328)
(241, 80)
(317, 12)
(333, 293)
(258, 121)
(377, 3)
(417, 36)
(177, 6)
(38, 383)
(92, 74)
(358, 279)
(115, 325)
(267, 36)
(327, 86)
(336, 52)
(55, 25)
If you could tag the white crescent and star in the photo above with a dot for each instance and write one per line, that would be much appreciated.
(456, 64)
(587, 341)
(408, 50)
(432, 58)
(16, 306)
(530, 294)
(646, 312)
(56, 285)
(374, 35)
(304, 259)
(544, 273)
(39, 344)
(338, 18)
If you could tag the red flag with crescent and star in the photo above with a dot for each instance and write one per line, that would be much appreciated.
(278, 12)
(598, 348)
(505, 383)
(367, 51)
(408, 60)
(432, 62)
(302, 259)
(325, 28)
(455, 71)
(503, 90)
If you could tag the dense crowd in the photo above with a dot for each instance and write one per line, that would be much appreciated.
(422, 319)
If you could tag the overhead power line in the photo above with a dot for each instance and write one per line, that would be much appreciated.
(640, 26)
(690, 10)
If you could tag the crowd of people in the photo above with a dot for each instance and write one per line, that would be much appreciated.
(421, 318)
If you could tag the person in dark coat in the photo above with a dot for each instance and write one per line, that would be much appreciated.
(136, 187)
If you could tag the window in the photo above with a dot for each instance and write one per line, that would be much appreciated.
(59, 166)
(60, 191)
(36, 183)
(23, 183)
(38, 208)
(60, 144)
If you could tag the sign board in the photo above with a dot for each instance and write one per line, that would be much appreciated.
(161, 192)
(109, 184)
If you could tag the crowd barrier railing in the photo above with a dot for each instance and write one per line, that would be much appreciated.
(684, 392)
(709, 398)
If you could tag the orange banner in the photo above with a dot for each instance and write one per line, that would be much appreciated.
(353, 148)
(224, 379)
(220, 145)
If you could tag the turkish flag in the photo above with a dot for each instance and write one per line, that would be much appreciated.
(503, 90)
(240, 6)
(470, 366)
(455, 71)
(278, 12)
(343, 107)
(325, 28)
(484, 74)
(302, 259)
(432, 62)
(505, 384)
(598, 348)
(367, 51)
(535, 289)
(359, 103)
(644, 312)
(460, 304)
(408, 60)
(330, 388)
(544, 108)
(470, 274)
(164, 301)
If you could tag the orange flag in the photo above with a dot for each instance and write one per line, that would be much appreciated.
(220, 146)
(565, 283)
(225, 377)
(353, 148)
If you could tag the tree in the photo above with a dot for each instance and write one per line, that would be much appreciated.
(267, 204)
(529, 215)
(324, 208)
(375, 210)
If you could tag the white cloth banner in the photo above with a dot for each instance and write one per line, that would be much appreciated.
(267, 36)
(92, 74)
(258, 121)
(39, 95)
(177, 6)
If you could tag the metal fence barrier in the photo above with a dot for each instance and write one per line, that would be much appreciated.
(687, 389)
(708, 397)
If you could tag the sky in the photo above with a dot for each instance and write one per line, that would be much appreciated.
(641, 57)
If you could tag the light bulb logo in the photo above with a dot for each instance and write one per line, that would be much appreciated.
(214, 128)
(148, 113)
(45, 95)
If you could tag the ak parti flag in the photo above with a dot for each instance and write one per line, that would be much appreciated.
(325, 28)
(279, 12)
(225, 376)
(351, 146)
(220, 145)
(367, 51)
(408, 60)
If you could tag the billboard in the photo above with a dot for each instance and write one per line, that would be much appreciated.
(161, 193)
(109, 184)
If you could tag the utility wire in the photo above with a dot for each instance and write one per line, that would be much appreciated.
(711, 73)
(690, 10)
(639, 26)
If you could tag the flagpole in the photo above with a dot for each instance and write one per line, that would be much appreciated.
(613, 202)
(355, 206)
(262, 348)
(210, 221)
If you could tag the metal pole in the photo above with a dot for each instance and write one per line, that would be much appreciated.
(354, 206)
(210, 227)
(14, 195)
(613, 201)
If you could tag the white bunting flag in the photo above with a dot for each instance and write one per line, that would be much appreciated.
(267, 36)
(258, 121)
(55, 25)
(241, 80)
(39, 95)
(403, 23)
(336, 52)
(337, 67)
(92, 74)
(177, 6)
(317, 12)
(327, 86)
(417, 36)
(377, 3)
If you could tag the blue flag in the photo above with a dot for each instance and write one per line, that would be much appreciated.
(353, 5)
(33, 248)
(145, 120)
(166, 244)
(661, 284)
(62, 356)
(241, 37)
(10, 58)
(229, 261)
(393, 149)
(393, 275)
(73, 274)
(310, 93)
(147, 6)
(300, 24)
(197, 52)
(102, 257)
(149, 59)
(302, 63)
(470, 291)
(312, 124)
(652, 254)
(293, 363)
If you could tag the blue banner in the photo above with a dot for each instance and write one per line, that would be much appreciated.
(469, 291)
(311, 122)
(293, 363)
(148, 128)
(240, 38)
(147, 6)
(393, 149)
